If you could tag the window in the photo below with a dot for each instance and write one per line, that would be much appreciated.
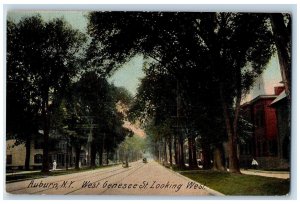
(259, 117)
(38, 144)
(38, 158)
(8, 159)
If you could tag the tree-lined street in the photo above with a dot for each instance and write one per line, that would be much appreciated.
(187, 114)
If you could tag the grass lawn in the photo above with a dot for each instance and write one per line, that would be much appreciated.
(240, 184)
(35, 175)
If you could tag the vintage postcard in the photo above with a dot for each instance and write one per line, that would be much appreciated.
(148, 103)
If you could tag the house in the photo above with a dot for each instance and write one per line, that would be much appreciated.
(282, 108)
(15, 155)
(59, 150)
(265, 143)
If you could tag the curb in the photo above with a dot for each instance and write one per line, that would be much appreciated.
(211, 191)
(268, 172)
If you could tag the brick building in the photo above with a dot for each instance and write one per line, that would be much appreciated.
(264, 144)
(282, 108)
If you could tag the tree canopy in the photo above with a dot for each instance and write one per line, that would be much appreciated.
(42, 58)
(198, 67)
(215, 51)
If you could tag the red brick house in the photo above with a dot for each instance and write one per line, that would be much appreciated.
(280, 104)
(264, 142)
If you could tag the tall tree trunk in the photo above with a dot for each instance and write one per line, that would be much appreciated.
(27, 156)
(100, 156)
(170, 151)
(161, 152)
(176, 151)
(281, 35)
(93, 155)
(232, 135)
(235, 125)
(206, 155)
(67, 156)
(77, 156)
(107, 157)
(165, 152)
(181, 163)
(126, 158)
(157, 149)
(190, 152)
(218, 158)
(45, 115)
(181, 154)
(194, 153)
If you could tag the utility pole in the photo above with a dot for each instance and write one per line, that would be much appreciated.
(90, 139)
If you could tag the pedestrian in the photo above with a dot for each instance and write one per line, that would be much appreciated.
(254, 163)
(54, 165)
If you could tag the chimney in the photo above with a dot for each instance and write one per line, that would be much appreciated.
(278, 90)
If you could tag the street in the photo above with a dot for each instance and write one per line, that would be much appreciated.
(139, 179)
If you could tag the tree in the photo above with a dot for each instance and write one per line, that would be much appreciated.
(22, 118)
(281, 27)
(132, 148)
(241, 46)
(49, 53)
(229, 48)
(155, 107)
(99, 100)
(68, 120)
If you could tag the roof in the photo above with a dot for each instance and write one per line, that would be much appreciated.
(281, 96)
(258, 98)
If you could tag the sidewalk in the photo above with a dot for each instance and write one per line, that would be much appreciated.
(274, 174)
(29, 172)
(20, 172)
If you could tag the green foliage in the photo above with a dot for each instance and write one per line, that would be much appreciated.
(122, 94)
(155, 105)
(133, 143)
(48, 51)
(245, 130)
(197, 61)
(132, 147)
(156, 98)
(44, 60)
(200, 50)
(42, 57)
(97, 100)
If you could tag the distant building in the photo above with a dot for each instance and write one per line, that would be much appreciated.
(265, 143)
(60, 150)
(15, 155)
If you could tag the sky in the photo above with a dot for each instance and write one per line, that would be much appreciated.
(270, 78)
(130, 73)
(76, 18)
